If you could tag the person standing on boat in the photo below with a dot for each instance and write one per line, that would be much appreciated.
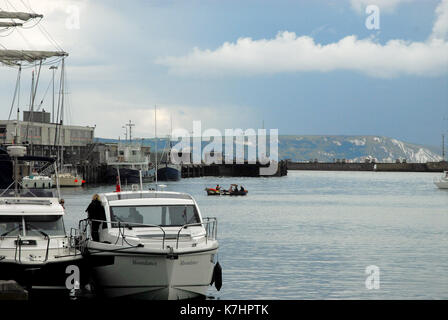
(95, 211)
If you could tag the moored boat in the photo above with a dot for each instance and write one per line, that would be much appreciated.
(68, 179)
(152, 245)
(36, 181)
(35, 250)
(169, 172)
(442, 182)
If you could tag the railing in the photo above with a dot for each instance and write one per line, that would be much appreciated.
(210, 225)
(73, 241)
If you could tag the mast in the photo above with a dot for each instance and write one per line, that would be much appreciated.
(62, 111)
(53, 68)
(130, 125)
(155, 135)
(168, 156)
(443, 147)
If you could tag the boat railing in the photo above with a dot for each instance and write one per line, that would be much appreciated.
(211, 229)
(73, 241)
(209, 223)
(122, 226)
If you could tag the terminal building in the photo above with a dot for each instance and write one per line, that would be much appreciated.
(44, 138)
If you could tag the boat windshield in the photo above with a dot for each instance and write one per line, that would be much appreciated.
(165, 216)
(12, 226)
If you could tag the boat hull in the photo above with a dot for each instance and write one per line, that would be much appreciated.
(441, 184)
(69, 181)
(156, 277)
(43, 276)
(127, 175)
(168, 174)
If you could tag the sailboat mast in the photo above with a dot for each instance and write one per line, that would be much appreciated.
(443, 147)
(155, 135)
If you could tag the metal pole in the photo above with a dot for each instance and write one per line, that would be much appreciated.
(16, 177)
(141, 180)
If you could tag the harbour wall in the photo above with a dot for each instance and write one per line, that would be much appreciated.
(370, 166)
(230, 170)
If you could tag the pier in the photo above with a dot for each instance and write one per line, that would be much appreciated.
(370, 166)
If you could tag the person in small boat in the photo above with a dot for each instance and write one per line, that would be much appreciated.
(242, 189)
(95, 211)
(135, 216)
(218, 187)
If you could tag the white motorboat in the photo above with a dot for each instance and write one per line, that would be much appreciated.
(442, 182)
(36, 181)
(35, 250)
(153, 245)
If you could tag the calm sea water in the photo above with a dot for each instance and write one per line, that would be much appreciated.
(311, 235)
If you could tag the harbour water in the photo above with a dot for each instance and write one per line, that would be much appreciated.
(311, 234)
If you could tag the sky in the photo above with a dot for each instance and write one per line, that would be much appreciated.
(303, 67)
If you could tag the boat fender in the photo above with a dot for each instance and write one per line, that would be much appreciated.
(217, 276)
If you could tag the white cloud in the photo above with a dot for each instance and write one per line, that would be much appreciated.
(386, 5)
(440, 28)
(288, 52)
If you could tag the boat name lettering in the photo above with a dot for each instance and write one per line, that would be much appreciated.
(144, 262)
(183, 262)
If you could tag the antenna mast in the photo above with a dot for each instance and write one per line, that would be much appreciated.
(130, 125)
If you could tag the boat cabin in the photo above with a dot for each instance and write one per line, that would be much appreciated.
(137, 215)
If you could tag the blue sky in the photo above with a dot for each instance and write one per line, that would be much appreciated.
(294, 72)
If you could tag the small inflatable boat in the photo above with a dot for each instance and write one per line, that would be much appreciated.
(223, 192)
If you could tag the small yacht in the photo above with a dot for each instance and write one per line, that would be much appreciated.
(152, 245)
(35, 250)
(442, 182)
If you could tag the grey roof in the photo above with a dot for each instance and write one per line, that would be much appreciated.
(147, 195)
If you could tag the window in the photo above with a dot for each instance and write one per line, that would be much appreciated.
(175, 215)
(12, 226)
(51, 225)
